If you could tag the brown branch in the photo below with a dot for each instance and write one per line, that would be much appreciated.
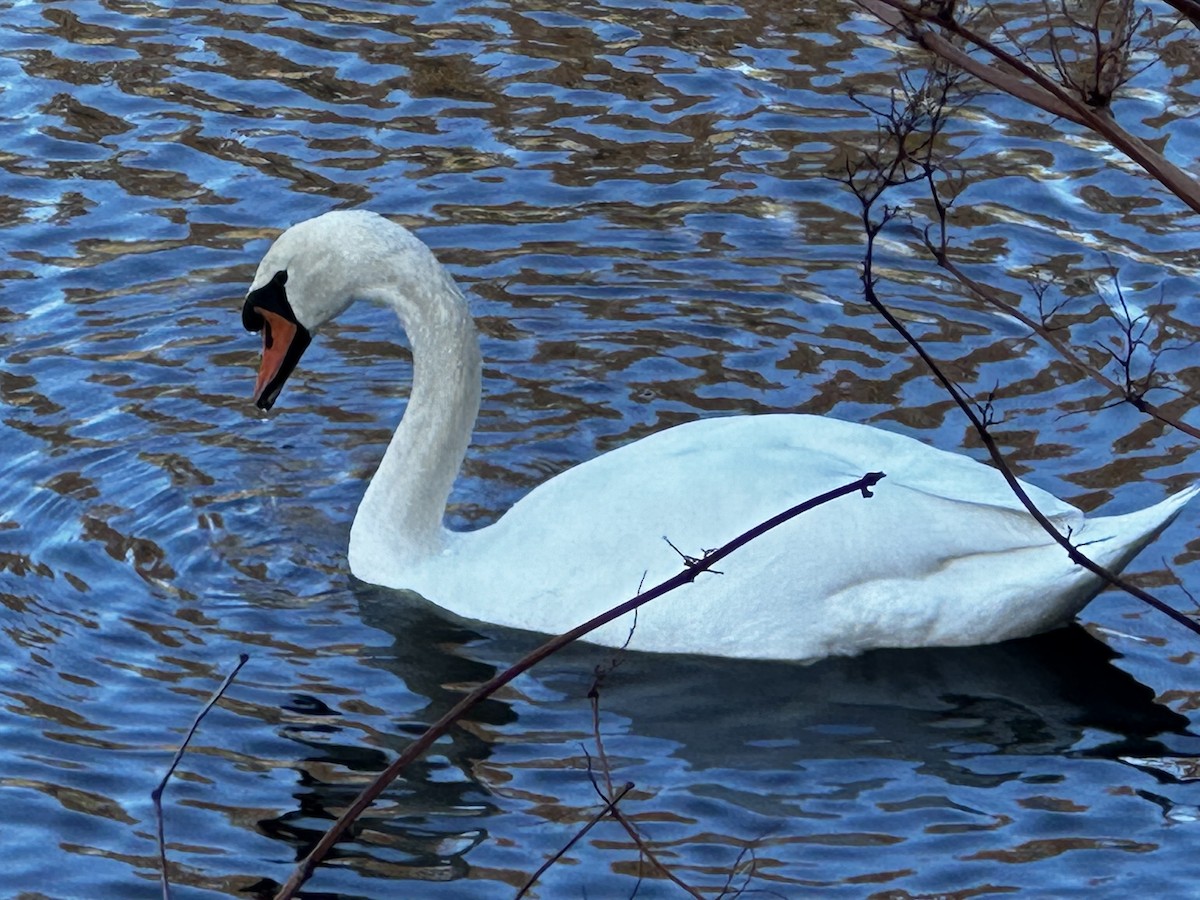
(643, 847)
(594, 697)
(1016, 77)
(881, 176)
(1189, 8)
(609, 807)
(940, 251)
(306, 866)
(899, 16)
(652, 856)
(1110, 48)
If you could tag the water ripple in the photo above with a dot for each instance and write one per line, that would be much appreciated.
(638, 200)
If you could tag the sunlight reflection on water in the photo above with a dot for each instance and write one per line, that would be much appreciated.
(637, 201)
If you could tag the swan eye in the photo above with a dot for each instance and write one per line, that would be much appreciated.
(271, 297)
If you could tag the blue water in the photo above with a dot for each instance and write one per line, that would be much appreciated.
(638, 201)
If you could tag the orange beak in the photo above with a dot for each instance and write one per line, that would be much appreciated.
(278, 334)
(284, 341)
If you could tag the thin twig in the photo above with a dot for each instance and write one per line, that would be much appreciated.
(984, 292)
(594, 697)
(1189, 8)
(733, 870)
(882, 175)
(1075, 554)
(644, 851)
(600, 674)
(1132, 392)
(156, 794)
(642, 846)
(306, 866)
(640, 842)
(608, 807)
(1179, 584)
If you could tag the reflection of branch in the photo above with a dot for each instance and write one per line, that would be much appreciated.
(1018, 78)
(609, 807)
(306, 866)
(156, 794)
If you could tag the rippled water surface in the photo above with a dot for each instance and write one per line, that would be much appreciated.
(636, 197)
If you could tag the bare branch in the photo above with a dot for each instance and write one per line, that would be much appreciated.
(648, 853)
(368, 795)
(1129, 392)
(872, 229)
(1126, 392)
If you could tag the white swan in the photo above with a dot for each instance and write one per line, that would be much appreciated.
(943, 554)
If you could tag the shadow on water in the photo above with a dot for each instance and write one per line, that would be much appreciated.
(931, 711)
(1031, 695)
(428, 658)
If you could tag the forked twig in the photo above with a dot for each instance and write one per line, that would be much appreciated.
(869, 183)
(609, 807)
(645, 849)
(306, 866)
(1127, 393)
(606, 771)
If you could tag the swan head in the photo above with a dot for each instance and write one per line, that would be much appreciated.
(317, 267)
(309, 274)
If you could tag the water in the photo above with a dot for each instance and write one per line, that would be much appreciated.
(637, 200)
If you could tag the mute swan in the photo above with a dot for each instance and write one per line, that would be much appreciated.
(943, 553)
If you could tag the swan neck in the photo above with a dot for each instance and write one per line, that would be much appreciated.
(401, 515)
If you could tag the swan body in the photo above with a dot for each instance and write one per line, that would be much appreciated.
(942, 554)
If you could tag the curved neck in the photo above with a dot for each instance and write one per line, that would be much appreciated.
(400, 517)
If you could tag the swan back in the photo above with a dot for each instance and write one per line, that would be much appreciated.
(942, 554)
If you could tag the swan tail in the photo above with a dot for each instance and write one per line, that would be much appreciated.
(1113, 541)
